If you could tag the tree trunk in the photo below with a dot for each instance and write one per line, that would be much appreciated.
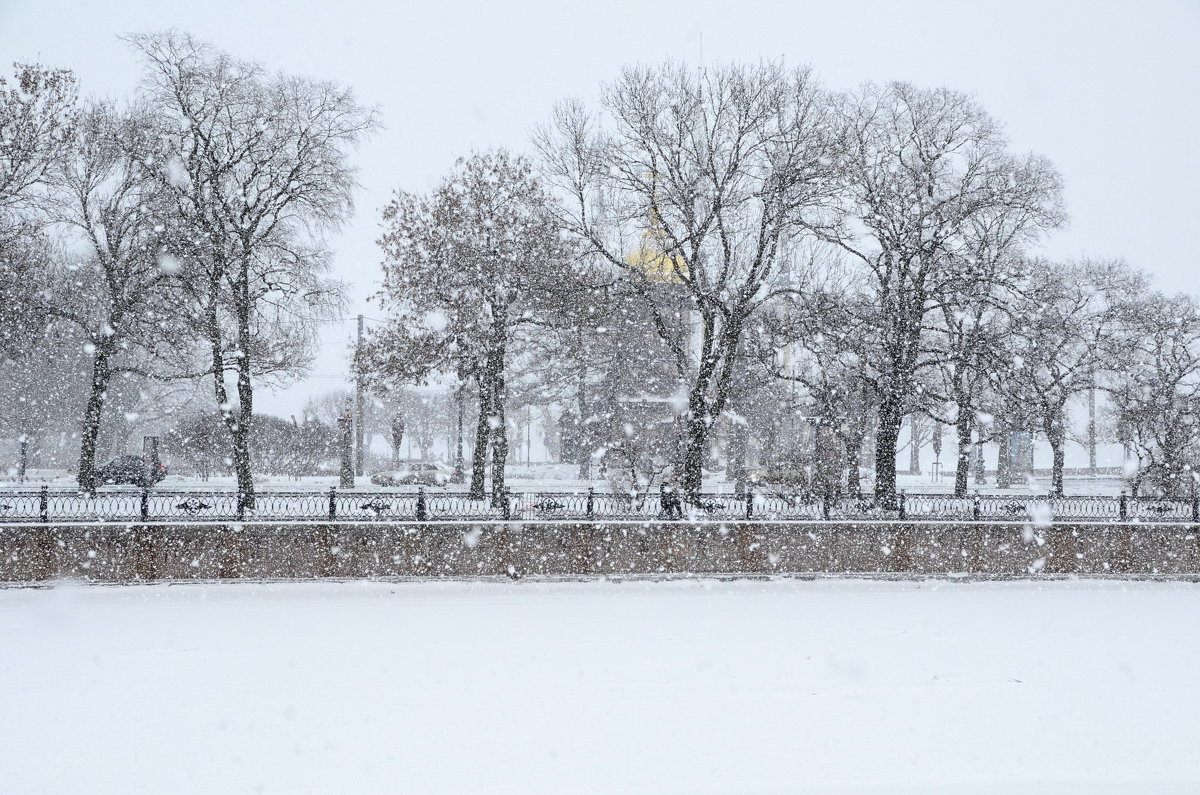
(828, 462)
(770, 445)
(499, 440)
(1056, 472)
(696, 447)
(458, 452)
(1003, 462)
(962, 467)
(482, 434)
(241, 432)
(1091, 429)
(853, 453)
(720, 351)
(888, 435)
(739, 441)
(980, 470)
(739, 428)
(1056, 434)
(218, 356)
(529, 439)
(242, 466)
(914, 444)
(583, 429)
(520, 441)
(239, 425)
(91, 420)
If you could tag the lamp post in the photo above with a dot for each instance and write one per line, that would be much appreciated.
(359, 405)
(935, 474)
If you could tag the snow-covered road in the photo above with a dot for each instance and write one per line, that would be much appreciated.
(691, 686)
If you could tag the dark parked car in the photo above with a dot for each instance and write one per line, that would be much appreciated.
(130, 470)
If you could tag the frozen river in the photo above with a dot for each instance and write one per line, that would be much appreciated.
(693, 687)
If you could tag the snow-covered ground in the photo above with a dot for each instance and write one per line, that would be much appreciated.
(692, 686)
(563, 477)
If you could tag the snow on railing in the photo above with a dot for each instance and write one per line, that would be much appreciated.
(153, 505)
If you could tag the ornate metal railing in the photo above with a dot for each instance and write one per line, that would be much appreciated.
(152, 505)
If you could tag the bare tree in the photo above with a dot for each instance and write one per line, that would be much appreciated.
(39, 393)
(1153, 375)
(970, 324)
(968, 340)
(1065, 319)
(822, 335)
(465, 269)
(37, 113)
(697, 184)
(258, 168)
(920, 431)
(922, 167)
(123, 295)
(591, 346)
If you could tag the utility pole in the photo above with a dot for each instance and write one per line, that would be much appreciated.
(346, 480)
(358, 402)
(23, 458)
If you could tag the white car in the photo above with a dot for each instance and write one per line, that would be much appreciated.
(423, 473)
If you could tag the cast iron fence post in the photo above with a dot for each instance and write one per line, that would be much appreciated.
(241, 505)
(976, 510)
(332, 503)
(825, 507)
(44, 504)
(1124, 506)
(1195, 509)
(145, 507)
(901, 504)
(749, 501)
(421, 514)
(591, 498)
(507, 509)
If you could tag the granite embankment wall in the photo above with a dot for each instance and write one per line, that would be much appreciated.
(138, 553)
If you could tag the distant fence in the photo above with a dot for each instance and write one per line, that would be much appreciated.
(152, 505)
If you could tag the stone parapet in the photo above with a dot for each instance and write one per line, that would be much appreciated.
(295, 551)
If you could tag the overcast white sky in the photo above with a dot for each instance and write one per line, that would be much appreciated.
(1110, 91)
